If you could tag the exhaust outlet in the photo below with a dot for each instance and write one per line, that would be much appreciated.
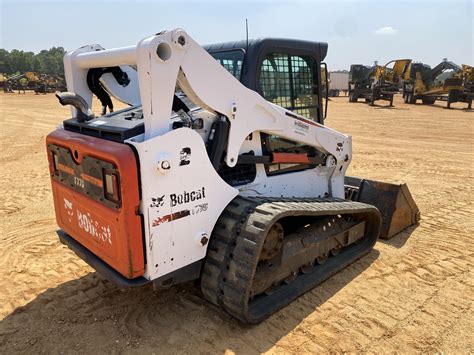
(84, 113)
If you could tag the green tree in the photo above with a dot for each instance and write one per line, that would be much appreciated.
(4, 64)
(46, 62)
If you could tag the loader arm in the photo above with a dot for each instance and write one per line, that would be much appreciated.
(173, 57)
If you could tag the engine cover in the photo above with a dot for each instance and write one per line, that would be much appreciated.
(112, 230)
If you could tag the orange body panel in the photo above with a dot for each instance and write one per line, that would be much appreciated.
(112, 234)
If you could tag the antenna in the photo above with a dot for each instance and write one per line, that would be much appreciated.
(244, 64)
(247, 33)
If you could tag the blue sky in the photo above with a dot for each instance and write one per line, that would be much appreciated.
(357, 31)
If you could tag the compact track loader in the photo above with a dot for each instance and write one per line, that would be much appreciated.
(221, 170)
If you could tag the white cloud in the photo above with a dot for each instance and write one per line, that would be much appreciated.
(388, 30)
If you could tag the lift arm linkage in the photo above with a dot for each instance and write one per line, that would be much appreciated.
(173, 57)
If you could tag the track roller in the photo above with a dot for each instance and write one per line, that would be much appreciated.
(264, 253)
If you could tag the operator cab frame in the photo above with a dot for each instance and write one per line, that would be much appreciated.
(286, 72)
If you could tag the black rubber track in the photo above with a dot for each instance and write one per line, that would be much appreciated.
(238, 237)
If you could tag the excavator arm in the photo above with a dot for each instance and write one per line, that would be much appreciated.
(444, 65)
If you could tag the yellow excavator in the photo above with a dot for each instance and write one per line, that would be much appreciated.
(446, 82)
(376, 82)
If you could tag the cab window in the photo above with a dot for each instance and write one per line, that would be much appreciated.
(231, 60)
(291, 81)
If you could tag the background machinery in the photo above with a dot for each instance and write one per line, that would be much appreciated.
(376, 82)
(360, 82)
(220, 170)
(15, 82)
(3, 80)
(468, 84)
(445, 82)
(50, 84)
(39, 83)
(22, 82)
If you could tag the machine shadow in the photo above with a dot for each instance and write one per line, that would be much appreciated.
(382, 107)
(443, 106)
(401, 238)
(143, 319)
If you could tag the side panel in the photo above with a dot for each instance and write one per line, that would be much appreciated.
(183, 197)
(307, 183)
(114, 234)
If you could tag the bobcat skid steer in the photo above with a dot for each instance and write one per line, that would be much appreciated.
(206, 175)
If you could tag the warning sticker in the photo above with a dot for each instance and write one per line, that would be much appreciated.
(301, 127)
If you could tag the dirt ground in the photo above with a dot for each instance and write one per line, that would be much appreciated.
(414, 293)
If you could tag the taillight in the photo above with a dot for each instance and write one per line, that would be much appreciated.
(111, 186)
(55, 162)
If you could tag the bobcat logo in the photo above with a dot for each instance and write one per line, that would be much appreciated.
(68, 207)
(157, 201)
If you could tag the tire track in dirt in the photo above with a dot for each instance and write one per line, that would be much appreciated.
(413, 293)
(30, 188)
(376, 299)
(22, 250)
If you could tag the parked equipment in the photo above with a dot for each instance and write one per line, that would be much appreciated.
(227, 176)
(3, 80)
(50, 84)
(445, 82)
(468, 84)
(360, 82)
(39, 83)
(15, 82)
(377, 82)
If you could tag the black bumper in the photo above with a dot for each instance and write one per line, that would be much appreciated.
(101, 267)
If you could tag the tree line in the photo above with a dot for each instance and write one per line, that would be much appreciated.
(45, 62)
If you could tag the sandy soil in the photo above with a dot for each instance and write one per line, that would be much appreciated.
(414, 293)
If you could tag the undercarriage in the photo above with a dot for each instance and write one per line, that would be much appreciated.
(265, 252)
